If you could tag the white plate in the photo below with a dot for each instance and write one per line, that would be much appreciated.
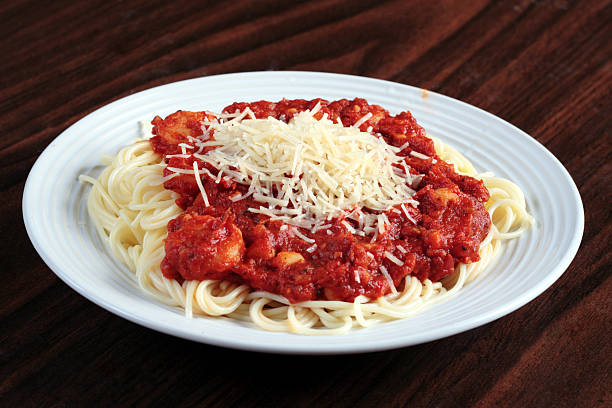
(59, 227)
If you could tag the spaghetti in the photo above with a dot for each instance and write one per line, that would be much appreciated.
(131, 210)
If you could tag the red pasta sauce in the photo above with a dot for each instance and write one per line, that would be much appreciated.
(227, 242)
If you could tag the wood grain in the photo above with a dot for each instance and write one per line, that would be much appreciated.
(545, 66)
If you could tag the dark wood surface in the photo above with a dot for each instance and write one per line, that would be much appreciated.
(544, 66)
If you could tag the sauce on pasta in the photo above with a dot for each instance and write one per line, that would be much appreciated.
(218, 238)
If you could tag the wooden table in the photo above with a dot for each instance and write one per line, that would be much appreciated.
(544, 66)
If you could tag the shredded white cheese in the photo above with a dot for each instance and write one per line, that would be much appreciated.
(422, 156)
(307, 171)
(410, 218)
(302, 236)
(393, 258)
(384, 271)
(196, 174)
(363, 120)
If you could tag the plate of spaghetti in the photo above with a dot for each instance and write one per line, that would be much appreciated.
(299, 212)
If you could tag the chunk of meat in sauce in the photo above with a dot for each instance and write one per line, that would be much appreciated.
(402, 129)
(202, 247)
(168, 133)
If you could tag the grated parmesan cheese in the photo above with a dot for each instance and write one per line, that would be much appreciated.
(412, 220)
(393, 258)
(304, 237)
(308, 171)
(384, 271)
(363, 120)
(422, 156)
(196, 174)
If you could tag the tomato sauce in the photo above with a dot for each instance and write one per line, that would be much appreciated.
(226, 241)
